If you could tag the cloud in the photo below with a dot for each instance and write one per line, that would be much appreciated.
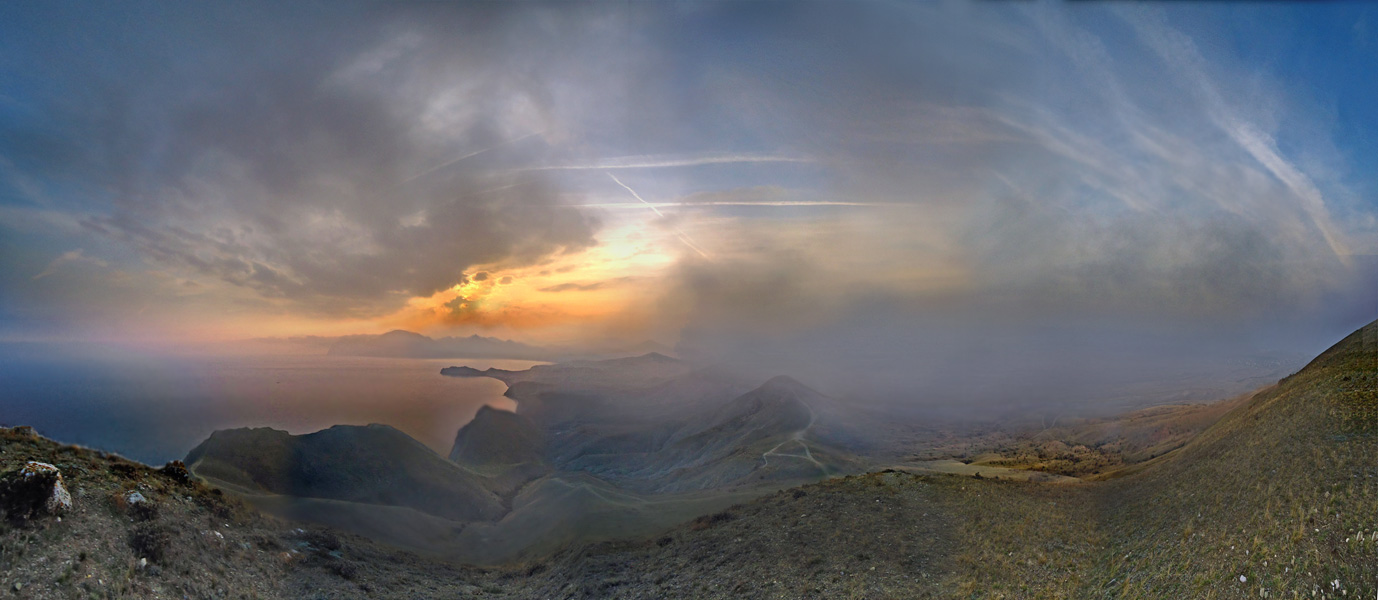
(1181, 54)
(589, 287)
(460, 307)
(1096, 173)
(289, 169)
(830, 158)
(577, 287)
(754, 197)
(73, 256)
(1105, 188)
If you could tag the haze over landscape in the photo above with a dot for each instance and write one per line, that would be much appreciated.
(569, 299)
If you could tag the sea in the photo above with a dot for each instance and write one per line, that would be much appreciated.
(156, 406)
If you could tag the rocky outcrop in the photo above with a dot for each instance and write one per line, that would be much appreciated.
(34, 490)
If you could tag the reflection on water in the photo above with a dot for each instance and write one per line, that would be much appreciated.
(156, 408)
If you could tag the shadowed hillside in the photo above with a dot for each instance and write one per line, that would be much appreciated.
(596, 450)
(373, 465)
(497, 437)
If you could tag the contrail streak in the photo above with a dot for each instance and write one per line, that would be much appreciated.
(469, 155)
(768, 204)
(682, 237)
(659, 162)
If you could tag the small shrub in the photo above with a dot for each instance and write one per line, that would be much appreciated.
(345, 568)
(324, 540)
(176, 471)
(708, 521)
(150, 540)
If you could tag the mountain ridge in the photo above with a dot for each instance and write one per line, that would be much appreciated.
(374, 464)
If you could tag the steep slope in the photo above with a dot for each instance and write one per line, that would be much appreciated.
(1276, 500)
(780, 406)
(497, 437)
(504, 447)
(185, 539)
(375, 464)
(1279, 496)
(758, 438)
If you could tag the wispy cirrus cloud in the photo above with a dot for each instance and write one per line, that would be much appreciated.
(1181, 54)
(70, 257)
(341, 163)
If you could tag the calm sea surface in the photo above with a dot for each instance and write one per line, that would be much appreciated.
(156, 408)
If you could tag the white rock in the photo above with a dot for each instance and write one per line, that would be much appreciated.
(59, 499)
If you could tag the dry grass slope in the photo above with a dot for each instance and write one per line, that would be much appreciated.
(1279, 499)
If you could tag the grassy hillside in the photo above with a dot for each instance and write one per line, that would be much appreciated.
(1279, 499)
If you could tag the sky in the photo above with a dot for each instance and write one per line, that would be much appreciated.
(822, 181)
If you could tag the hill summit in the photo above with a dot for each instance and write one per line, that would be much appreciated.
(497, 437)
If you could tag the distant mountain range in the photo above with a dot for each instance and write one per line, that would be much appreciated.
(400, 343)
(406, 344)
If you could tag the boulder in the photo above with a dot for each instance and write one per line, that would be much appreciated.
(136, 505)
(35, 490)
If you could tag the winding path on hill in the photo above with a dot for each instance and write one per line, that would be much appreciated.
(798, 437)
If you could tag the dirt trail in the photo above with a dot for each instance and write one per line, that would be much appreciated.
(797, 437)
